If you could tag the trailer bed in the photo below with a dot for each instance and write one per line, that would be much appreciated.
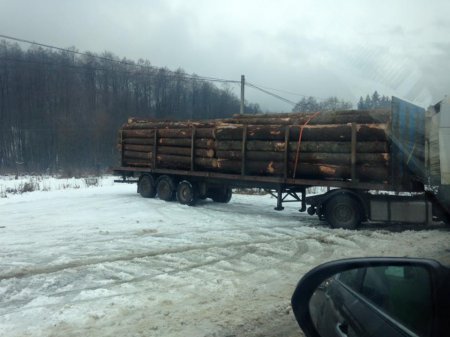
(236, 180)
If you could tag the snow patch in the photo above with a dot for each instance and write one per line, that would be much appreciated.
(102, 261)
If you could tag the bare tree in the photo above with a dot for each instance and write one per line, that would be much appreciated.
(61, 112)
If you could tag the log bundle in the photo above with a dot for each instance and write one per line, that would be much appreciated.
(337, 145)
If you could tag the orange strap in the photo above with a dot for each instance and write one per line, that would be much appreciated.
(297, 156)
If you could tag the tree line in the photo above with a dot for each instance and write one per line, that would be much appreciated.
(371, 102)
(60, 111)
(311, 104)
(374, 101)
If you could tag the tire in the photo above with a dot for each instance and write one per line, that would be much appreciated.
(222, 195)
(165, 188)
(343, 211)
(146, 186)
(187, 193)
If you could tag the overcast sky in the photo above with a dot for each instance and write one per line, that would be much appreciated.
(343, 48)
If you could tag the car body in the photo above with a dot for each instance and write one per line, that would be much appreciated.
(374, 297)
(388, 301)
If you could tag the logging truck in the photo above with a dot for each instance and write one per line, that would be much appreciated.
(383, 166)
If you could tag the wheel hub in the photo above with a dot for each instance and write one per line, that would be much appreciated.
(343, 213)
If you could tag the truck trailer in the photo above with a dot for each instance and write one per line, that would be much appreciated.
(389, 165)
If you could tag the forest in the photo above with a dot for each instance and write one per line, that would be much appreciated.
(370, 102)
(60, 111)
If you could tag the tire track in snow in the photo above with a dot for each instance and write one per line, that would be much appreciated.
(138, 279)
(32, 271)
(244, 248)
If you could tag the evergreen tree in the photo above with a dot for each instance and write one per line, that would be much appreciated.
(374, 101)
(368, 103)
(361, 105)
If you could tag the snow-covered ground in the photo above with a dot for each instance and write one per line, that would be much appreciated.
(102, 261)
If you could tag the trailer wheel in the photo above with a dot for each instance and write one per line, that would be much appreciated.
(187, 193)
(343, 211)
(222, 195)
(146, 186)
(165, 188)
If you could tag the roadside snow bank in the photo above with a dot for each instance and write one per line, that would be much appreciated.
(23, 184)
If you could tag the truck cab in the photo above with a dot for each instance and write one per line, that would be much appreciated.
(437, 152)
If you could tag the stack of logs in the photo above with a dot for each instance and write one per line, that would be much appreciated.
(295, 145)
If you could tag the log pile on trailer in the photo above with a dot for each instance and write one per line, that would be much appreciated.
(340, 145)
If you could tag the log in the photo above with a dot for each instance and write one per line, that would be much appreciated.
(202, 143)
(185, 151)
(272, 168)
(185, 133)
(139, 148)
(325, 146)
(158, 124)
(183, 162)
(255, 145)
(222, 165)
(366, 132)
(295, 118)
(137, 155)
(174, 133)
(363, 172)
(380, 159)
(329, 117)
(141, 141)
(167, 133)
(255, 132)
(137, 133)
(163, 161)
(311, 158)
(305, 170)
(173, 162)
(135, 163)
(340, 147)
(178, 151)
(251, 155)
(308, 157)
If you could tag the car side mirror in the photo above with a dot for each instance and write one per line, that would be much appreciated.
(374, 297)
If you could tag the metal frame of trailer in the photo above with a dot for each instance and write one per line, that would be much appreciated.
(406, 138)
(374, 207)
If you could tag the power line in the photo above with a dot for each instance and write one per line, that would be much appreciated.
(271, 94)
(147, 67)
(287, 92)
(72, 66)
(84, 69)
(90, 55)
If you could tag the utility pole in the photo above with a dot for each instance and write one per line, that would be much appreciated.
(242, 93)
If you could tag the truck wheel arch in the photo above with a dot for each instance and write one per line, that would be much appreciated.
(320, 201)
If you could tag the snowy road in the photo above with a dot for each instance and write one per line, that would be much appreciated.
(102, 261)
